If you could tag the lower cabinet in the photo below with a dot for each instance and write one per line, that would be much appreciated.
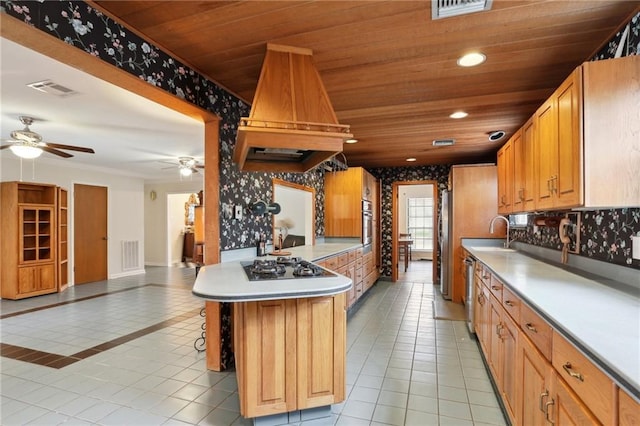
(359, 267)
(534, 384)
(541, 377)
(35, 280)
(290, 354)
(502, 355)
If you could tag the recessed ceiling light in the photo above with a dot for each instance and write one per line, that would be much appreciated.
(471, 59)
(411, 159)
(459, 114)
(351, 140)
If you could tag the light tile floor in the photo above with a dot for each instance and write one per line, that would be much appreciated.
(403, 367)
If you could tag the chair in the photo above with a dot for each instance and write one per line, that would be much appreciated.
(408, 246)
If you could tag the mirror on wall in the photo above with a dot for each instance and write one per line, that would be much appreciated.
(295, 224)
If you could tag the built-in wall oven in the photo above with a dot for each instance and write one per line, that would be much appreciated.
(367, 222)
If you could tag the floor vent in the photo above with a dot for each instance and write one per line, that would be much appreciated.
(130, 255)
(448, 8)
(444, 142)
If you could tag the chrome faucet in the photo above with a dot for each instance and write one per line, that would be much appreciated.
(506, 244)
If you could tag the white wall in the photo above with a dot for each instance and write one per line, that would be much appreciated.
(412, 191)
(176, 226)
(297, 208)
(125, 201)
(156, 251)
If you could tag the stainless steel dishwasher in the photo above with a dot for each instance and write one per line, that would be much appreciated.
(469, 268)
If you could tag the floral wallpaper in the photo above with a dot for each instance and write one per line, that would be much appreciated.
(605, 234)
(387, 176)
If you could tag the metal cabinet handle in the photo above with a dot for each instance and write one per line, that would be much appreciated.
(521, 194)
(498, 329)
(481, 299)
(549, 186)
(546, 411)
(571, 372)
(531, 328)
(486, 276)
(509, 303)
(543, 395)
(496, 287)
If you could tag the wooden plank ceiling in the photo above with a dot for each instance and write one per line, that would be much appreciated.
(389, 69)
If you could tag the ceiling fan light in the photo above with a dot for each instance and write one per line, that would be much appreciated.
(185, 171)
(25, 151)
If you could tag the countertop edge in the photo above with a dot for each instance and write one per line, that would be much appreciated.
(275, 296)
(614, 373)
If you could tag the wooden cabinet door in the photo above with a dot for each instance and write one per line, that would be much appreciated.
(27, 280)
(505, 178)
(517, 197)
(533, 386)
(526, 163)
(493, 339)
(546, 154)
(46, 277)
(321, 337)
(566, 408)
(265, 333)
(567, 181)
(628, 410)
(509, 365)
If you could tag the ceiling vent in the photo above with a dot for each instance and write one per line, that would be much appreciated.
(48, 86)
(448, 8)
(444, 142)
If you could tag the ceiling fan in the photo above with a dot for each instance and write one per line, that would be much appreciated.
(187, 166)
(26, 143)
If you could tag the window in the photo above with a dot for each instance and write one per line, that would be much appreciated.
(420, 222)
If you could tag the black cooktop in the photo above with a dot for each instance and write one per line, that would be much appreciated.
(283, 268)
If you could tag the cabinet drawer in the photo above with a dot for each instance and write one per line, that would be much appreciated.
(593, 387)
(359, 262)
(343, 270)
(359, 253)
(484, 274)
(343, 259)
(537, 329)
(331, 263)
(359, 275)
(496, 287)
(511, 304)
(352, 255)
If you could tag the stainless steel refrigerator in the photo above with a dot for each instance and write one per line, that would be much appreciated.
(445, 246)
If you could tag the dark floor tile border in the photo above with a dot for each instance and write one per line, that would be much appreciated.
(80, 299)
(48, 359)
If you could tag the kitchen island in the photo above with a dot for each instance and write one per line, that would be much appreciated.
(570, 337)
(289, 335)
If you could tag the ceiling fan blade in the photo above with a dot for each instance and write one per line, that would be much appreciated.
(70, 147)
(4, 146)
(200, 166)
(194, 170)
(56, 152)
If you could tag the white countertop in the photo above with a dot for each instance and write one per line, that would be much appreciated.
(602, 321)
(227, 282)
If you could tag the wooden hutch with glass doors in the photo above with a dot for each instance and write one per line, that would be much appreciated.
(34, 239)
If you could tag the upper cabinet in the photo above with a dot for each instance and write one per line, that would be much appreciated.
(582, 146)
(506, 176)
(557, 154)
(344, 193)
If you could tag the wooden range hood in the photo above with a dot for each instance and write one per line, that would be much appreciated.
(292, 126)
